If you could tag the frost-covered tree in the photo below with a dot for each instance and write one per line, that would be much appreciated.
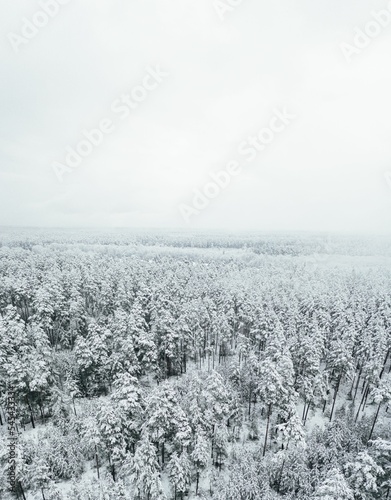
(334, 487)
(39, 475)
(160, 415)
(200, 455)
(381, 450)
(381, 395)
(114, 431)
(142, 470)
(179, 470)
(362, 475)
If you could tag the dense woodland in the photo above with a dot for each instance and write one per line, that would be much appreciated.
(244, 367)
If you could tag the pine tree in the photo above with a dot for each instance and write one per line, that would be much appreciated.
(179, 469)
(334, 487)
(382, 394)
(200, 455)
(362, 475)
(382, 452)
(143, 468)
(112, 425)
(220, 442)
(39, 475)
(160, 415)
(272, 390)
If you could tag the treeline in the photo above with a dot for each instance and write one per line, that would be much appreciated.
(294, 244)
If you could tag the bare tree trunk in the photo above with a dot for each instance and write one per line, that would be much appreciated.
(22, 491)
(42, 412)
(306, 413)
(112, 468)
(335, 396)
(97, 461)
(350, 393)
(267, 429)
(31, 412)
(366, 398)
(361, 402)
(374, 421)
(357, 383)
(384, 363)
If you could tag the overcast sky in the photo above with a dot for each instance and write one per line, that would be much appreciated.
(224, 79)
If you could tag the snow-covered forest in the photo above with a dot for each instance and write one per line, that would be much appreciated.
(162, 365)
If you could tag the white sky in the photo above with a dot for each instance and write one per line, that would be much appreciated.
(324, 172)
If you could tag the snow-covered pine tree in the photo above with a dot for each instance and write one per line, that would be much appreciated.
(334, 487)
(179, 470)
